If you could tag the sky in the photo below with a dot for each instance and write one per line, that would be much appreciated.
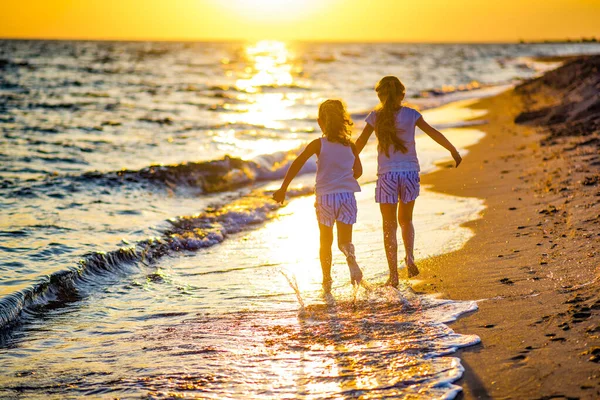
(306, 20)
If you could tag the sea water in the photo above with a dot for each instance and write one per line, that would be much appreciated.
(141, 254)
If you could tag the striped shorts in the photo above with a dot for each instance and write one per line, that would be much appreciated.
(339, 207)
(394, 184)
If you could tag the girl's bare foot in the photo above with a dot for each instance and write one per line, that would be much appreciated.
(355, 272)
(411, 267)
(327, 285)
(392, 281)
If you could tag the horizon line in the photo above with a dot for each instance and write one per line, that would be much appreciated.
(582, 40)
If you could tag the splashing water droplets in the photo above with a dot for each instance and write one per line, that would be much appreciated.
(294, 285)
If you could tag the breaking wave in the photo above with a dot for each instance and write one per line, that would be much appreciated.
(186, 233)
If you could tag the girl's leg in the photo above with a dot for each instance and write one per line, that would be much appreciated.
(325, 254)
(390, 226)
(345, 245)
(405, 213)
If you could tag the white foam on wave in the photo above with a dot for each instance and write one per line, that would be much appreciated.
(452, 97)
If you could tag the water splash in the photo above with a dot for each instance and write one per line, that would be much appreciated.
(291, 280)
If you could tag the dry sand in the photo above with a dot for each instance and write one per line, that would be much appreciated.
(534, 259)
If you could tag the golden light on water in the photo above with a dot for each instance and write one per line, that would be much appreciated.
(270, 67)
(264, 79)
(268, 110)
(299, 251)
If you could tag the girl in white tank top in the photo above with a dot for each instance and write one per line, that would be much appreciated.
(338, 167)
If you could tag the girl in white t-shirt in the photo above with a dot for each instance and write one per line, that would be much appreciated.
(398, 168)
(338, 167)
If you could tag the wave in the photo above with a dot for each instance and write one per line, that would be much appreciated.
(213, 176)
(447, 89)
(186, 233)
(220, 91)
(13, 63)
(225, 174)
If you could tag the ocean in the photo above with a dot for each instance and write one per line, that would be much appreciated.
(141, 255)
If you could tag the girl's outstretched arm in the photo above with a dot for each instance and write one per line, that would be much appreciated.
(439, 138)
(313, 147)
(363, 138)
(357, 167)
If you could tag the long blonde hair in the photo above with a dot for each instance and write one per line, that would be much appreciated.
(390, 92)
(335, 121)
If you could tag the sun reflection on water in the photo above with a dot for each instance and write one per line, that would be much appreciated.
(298, 253)
(271, 66)
(264, 113)
(269, 70)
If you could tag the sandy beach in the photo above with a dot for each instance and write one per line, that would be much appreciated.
(533, 262)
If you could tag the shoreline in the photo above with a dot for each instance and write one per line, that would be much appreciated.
(538, 316)
(130, 259)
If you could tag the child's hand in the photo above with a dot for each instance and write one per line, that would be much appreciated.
(279, 195)
(457, 157)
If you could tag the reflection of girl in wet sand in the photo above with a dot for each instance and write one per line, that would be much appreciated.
(338, 167)
(398, 168)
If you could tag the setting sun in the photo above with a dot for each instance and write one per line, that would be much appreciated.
(273, 11)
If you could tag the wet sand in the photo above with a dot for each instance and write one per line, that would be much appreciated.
(533, 263)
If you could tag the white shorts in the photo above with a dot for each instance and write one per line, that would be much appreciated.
(336, 207)
(395, 185)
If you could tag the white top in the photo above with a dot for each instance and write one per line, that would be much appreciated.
(334, 169)
(406, 119)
